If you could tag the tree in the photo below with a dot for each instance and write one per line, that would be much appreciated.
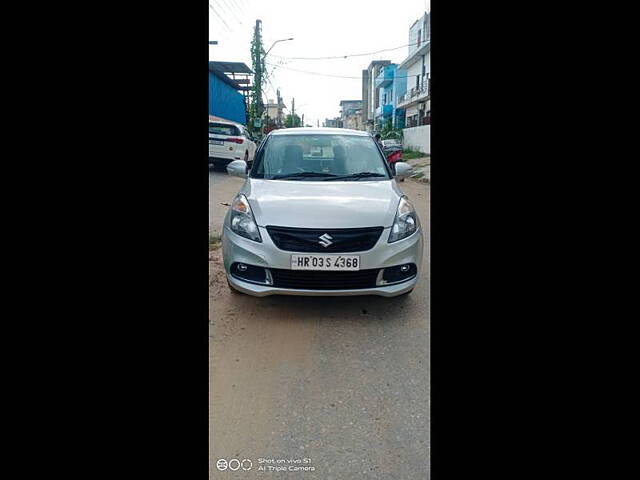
(256, 108)
(292, 121)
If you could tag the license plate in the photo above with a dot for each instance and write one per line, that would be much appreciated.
(325, 262)
(216, 142)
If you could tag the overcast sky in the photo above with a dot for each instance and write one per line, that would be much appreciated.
(319, 29)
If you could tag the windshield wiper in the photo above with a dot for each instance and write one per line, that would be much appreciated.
(302, 175)
(356, 176)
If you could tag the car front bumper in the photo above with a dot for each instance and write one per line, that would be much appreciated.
(265, 254)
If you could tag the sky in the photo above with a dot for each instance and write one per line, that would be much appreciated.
(319, 29)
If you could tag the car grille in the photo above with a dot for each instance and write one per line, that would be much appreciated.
(308, 240)
(319, 280)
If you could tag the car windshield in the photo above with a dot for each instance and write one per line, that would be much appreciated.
(320, 157)
(223, 129)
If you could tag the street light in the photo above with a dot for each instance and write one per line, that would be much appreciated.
(281, 40)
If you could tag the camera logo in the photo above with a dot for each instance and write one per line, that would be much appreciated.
(234, 464)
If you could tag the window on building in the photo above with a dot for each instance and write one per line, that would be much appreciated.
(419, 36)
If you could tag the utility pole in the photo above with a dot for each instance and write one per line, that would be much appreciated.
(302, 121)
(257, 58)
(258, 62)
(279, 100)
(293, 107)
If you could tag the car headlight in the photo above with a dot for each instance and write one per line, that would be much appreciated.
(406, 222)
(242, 221)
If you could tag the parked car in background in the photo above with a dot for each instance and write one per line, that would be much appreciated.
(229, 141)
(394, 155)
(392, 142)
(320, 213)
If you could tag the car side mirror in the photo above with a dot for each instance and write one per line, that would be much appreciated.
(237, 168)
(403, 169)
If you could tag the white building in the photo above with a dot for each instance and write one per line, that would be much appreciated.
(275, 109)
(416, 101)
(351, 114)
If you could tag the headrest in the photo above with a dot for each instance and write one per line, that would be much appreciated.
(292, 153)
(339, 152)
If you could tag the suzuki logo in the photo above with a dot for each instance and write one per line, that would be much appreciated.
(325, 240)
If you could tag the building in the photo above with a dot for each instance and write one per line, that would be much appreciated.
(333, 122)
(274, 110)
(351, 114)
(416, 101)
(228, 89)
(391, 83)
(371, 94)
(399, 89)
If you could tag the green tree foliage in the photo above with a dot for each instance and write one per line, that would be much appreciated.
(256, 107)
(292, 121)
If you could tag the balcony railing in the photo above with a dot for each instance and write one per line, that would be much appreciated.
(414, 93)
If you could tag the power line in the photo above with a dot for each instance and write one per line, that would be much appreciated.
(273, 89)
(329, 74)
(229, 9)
(224, 10)
(311, 73)
(220, 18)
(352, 55)
(238, 7)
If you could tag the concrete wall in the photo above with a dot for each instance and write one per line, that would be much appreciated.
(412, 72)
(423, 26)
(417, 138)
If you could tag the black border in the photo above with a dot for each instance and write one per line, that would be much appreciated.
(122, 390)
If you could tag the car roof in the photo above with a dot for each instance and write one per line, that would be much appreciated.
(314, 131)
(226, 122)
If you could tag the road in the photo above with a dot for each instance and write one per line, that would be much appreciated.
(339, 384)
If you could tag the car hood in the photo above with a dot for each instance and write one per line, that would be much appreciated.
(318, 204)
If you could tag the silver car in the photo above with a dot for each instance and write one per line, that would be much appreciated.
(320, 214)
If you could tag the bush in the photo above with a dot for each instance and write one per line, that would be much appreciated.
(409, 154)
